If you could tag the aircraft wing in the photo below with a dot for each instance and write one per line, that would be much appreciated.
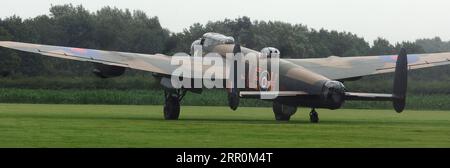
(338, 68)
(157, 63)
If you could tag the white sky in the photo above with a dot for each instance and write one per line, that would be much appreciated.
(396, 20)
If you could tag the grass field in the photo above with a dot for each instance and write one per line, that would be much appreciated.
(26, 125)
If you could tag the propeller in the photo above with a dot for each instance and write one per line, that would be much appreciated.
(400, 81)
(398, 96)
(233, 96)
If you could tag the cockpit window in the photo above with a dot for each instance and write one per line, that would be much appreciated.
(213, 39)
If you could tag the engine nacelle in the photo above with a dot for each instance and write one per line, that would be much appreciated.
(107, 71)
(333, 94)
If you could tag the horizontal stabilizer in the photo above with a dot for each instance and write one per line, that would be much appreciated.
(258, 94)
(368, 96)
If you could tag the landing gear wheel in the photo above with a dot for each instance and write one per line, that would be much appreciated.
(171, 108)
(233, 99)
(314, 116)
(172, 104)
(283, 112)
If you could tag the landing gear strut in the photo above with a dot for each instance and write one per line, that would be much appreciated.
(314, 116)
(172, 104)
(283, 112)
(233, 99)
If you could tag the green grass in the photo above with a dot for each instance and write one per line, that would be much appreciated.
(25, 125)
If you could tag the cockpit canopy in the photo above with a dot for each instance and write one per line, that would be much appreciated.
(210, 40)
(213, 39)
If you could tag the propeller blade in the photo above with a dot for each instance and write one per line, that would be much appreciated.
(400, 81)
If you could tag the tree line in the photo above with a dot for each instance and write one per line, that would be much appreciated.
(134, 31)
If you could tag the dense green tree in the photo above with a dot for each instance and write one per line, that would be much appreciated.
(410, 47)
(68, 25)
(326, 43)
(382, 46)
(10, 61)
(434, 45)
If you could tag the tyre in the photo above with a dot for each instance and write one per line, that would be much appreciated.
(283, 112)
(314, 117)
(172, 108)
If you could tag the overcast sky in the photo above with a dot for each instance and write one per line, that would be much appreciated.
(395, 20)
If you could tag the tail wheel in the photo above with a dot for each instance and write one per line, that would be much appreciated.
(283, 112)
(314, 116)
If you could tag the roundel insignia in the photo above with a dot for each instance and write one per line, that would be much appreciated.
(412, 58)
(78, 50)
(264, 81)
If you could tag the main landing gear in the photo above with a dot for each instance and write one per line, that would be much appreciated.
(283, 112)
(314, 116)
(172, 104)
